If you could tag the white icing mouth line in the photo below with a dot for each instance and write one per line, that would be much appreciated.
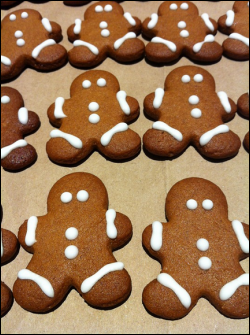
(159, 125)
(35, 53)
(73, 140)
(7, 150)
(169, 44)
(207, 137)
(91, 47)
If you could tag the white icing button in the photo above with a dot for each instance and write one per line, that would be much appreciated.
(105, 33)
(192, 204)
(5, 99)
(20, 42)
(173, 6)
(94, 118)
(182, 25)
(71, 233)
(71, 252)
(185, 79)
(196, 113)
(208, 205)
(93, 107)
(18, 34)
(194, 100)
(198, 78)
(203, 244)
(86, 84)
(184, 33)
(12, 17)
(103, 25)
(101, 82)
(66, 197)
(99, 9)
(82, 196)
(205, 263)
(108, 8)
(24, 15)
(184, 6)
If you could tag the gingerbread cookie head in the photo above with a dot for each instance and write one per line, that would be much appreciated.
(27, 39)
(190, 112)
(178, 30)
(201, 239)
(105, 31)
(236, 24)
(80, 234)
(94, 118)
(243, 110)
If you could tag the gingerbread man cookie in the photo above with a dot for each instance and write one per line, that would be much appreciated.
(190, 112)
(94, 118)
(236, 24)
(178, 30)
(8, 3)
(72, 247)
(75, 3)
(27, 39)
(105, 31)
(200, 250)
(16, 122)
(243, 109)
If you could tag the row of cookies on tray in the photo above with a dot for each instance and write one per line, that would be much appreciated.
(27, 39)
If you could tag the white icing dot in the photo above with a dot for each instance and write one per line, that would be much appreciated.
(103, 25)
(184, 33)
(99, 9)
(5, 99)
(208, 205)
(82, 196)
(194, 100)
(93, 107)
(71, 252)
(196, 113)
(71, 233)
(185, 79)
(198, 78)
(18, 34)
(203, 244)
(101, 82)
(184, 6)
(182, 24)
(108, 8)
(205, 263)
(192, 204)
(173, 6)
(12, 17)
(24, 15)
(94, 118)
(66, 197)
(20, 42)
(86, 84)
(105, 33)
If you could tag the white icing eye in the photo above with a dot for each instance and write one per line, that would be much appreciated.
(24, 15)
(18, 34)
(86, 84)
(208, 205)
(173, 6)
(12, 17)
(66, 197)
(194, 100)
(5, 99)
(203, 244)
(101, 82)
(93, 107)
(82, 196)
(71, 233)
(108, 8)
(105, 33)
(20, 42)
(196, 113)
(186, 79)
(198, 78)
(71, 252)
(192, 204)
(103, 25)
(94, 118)
(184, 33)
(182, 24)
(99, 9)
(184, 6)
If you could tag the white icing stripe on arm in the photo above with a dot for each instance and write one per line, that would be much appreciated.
(58, 112)
(7, 150)
(207, 137)
(5, 60)
(156, 238)
(23, 115)
(230, 18)
(107, 137)
(241, 236)
(169, 282)
(153, 22)
(207, 21)
(73, 140)
(229, 289)
(121, 97)
(47, 25)
(111, 228)
(208, 39)
(42, 282)
(35, 53)
(225, 101)
(159, 125)
(159, 95)
(91, 281)
(169, 44)
(120, 41)
(240, 37)
(91, 47)
(78, 26)
(30, 237)
(130, 19)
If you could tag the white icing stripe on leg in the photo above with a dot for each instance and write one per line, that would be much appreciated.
(5, 60)
(107, 137)
(241, 236)
(47, 25)
(42, 282)
(78, 26)
(156, 238)
(7, 150)
(225, 101)
(58, 112)
(159, 125)
(169, 44)
(240, 37)
(73, 140)
(207, 21)
(207, 137)
(30, 237)
(91, 281)
(230, 18)
(91, 47)
(130, 19)
(111, 228)
(121, 97)
(229, 289)
(208, 39)
(159, 95)
(169, 282)
(121, 40)
(35, 53)
(23, 116)
(153, 22)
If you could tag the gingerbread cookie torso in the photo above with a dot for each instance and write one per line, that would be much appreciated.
(200, 250)
(95, 117)
(16, 122)
(73, 247)
(243, 109)
(178, 30)
(27, 39)
(190, 112)
(105, 31)
(236, 24)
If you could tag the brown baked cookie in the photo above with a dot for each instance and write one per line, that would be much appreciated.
(243, 110)
(94, 118)
(75, 3)
(73, 247)
(105, 31)
(236, 24)
(8, 3)
(27, 39)
(200, 250)
(178, 30)
(16, 122)
(190, 112)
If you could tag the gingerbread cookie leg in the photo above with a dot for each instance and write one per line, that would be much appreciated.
(9, 67)
(85, 55)
(202, 50)
(233, 44)
(128, 48)
(160, 50)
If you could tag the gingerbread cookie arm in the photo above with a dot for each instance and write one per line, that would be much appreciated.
(149, 26)
(129, 106)
(229, 107)
(27, 234)
(32, 124)
(152, 239)
(9, 245)
(241, 231)
(56, 31)
(152, 103)
(56, 112)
